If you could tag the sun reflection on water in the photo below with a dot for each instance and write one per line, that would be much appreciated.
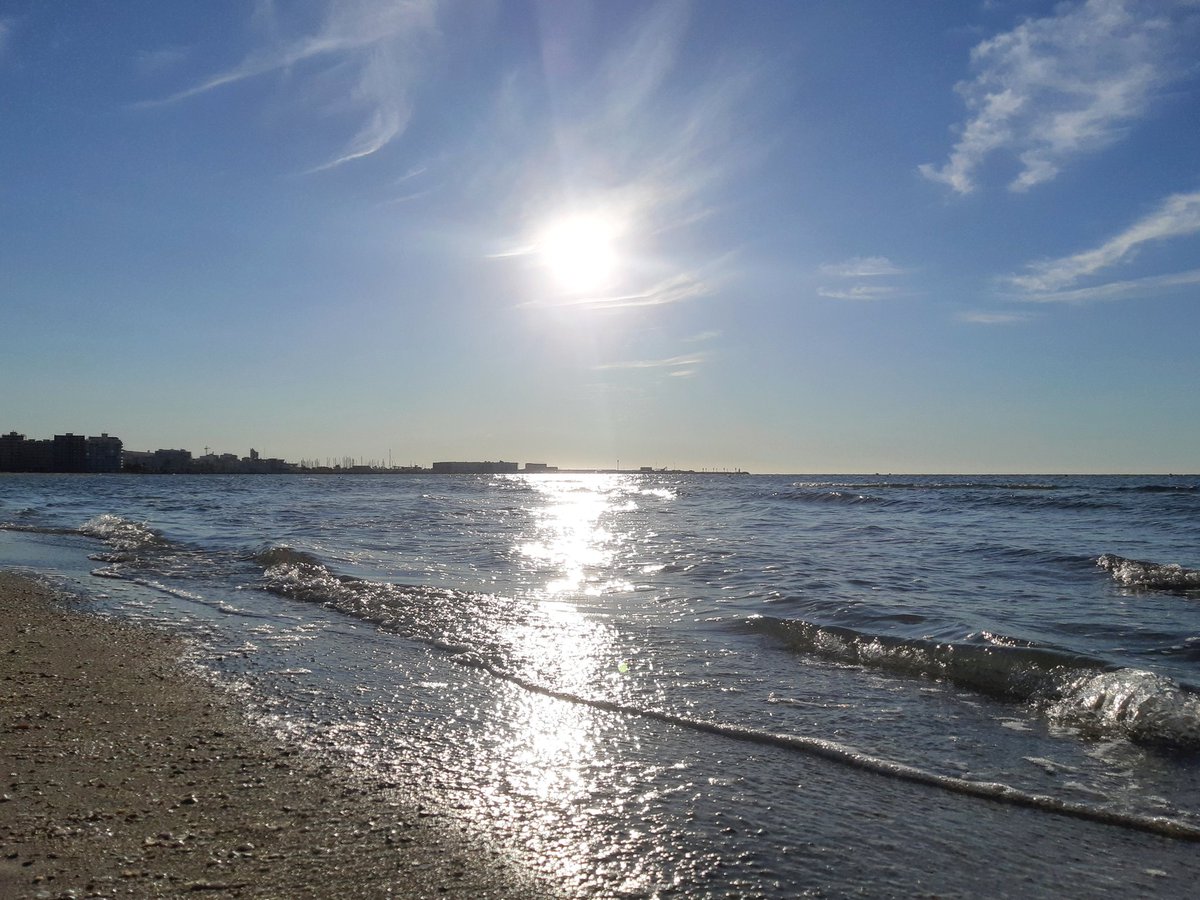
(574, 543)
(554, 760)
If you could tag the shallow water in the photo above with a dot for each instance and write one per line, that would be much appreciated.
(725, 686)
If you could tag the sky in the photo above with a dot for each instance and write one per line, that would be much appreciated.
(783, 236)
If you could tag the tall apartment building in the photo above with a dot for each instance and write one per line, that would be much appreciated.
(69, 453)
(64, 453)
(104, 453)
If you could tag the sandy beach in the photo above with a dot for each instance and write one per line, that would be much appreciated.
(126, 775)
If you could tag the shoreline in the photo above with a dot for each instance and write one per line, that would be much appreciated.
(125, 775)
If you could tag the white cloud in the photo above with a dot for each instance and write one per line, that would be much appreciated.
(1119, 290)
(683, 364)
(632, 135)
(858, 267)
(1057, 87)
(368, 47)
(862, 267)
(675, 289)
(986, 318)
(859, 292)
(389, 110)
(1177, 216)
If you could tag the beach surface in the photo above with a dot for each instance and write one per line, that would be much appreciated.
(126, 774)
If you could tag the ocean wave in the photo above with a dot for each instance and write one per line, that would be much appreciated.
(1162, 489)
(932, 485)
(36, 529)
(807, 495)
(438, 616)
(1049, 501)
(1147, 708)
(996, 665)
(1170, 578)
(418, 612)
(1071, 689)
(1013, 493)
(834, 751)
(121, 533)
(269, 557)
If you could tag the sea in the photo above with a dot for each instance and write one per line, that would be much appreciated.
(653, 685)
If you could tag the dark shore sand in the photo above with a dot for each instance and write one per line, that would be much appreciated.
(125, 775)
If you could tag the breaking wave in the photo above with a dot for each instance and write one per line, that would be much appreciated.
(1171, 578)
(414, 611)
(457, 621)
(121, 533)
(1071, 689)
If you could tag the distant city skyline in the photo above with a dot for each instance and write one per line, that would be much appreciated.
(76, 453)
(830, 236)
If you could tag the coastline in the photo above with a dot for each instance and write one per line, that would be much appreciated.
(125, 775)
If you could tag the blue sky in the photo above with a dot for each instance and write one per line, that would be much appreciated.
(787, 236)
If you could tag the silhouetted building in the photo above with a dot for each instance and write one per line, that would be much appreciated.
(64, 453)
(17, 454)
(104, 453)
(37, 456)
(474, 468)
(69, 453)
(160, 461)
(11, 445)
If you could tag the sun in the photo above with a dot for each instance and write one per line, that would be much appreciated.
(580, 252)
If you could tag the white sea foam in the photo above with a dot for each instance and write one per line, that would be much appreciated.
(120, 533)
(1150, 576)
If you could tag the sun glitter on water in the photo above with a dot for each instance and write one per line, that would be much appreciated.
(580, 252)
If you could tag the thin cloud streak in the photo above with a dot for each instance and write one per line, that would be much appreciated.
(377, 39)
(672, 290)
(637, 138)
(859, 292)
(1177, 216)
(985, 318)
(1119, 290)
(1058, 87)
(862, 267)
(674, 362)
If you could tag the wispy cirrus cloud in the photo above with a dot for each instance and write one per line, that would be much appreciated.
(677, 288)
(992, 318)
(859, 292)
(1177, 216)
(861, 267)
(1057, 87)
(642, 137)
(1119, 290)
(679, 366)
(364, 53)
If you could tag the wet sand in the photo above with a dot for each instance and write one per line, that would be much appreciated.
(123, 774)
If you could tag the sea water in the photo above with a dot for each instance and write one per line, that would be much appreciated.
(736, 686)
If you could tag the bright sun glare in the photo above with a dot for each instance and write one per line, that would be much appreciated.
(580, 252)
